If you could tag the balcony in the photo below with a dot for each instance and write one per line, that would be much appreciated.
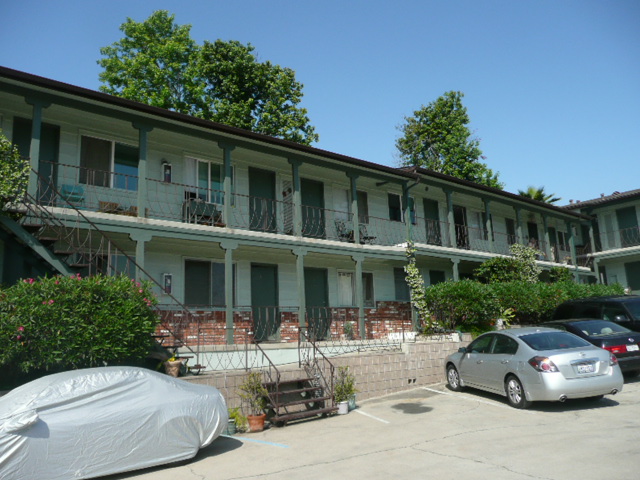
(114, 193)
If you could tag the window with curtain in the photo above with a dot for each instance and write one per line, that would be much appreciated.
(347, 288)
(106, 163)
(204, 283)
(208, 179)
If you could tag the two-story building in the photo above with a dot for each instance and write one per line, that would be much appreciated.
(248, 232)
(615, 237)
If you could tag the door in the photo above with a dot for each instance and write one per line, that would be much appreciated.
(262, 200)
(49, 148)
(432, 221)
(494, 370)
(264, 302)
(460, 222)
(472, 364)
(317, 300)
(628, 227)
(313, 215)
(553, 241)
(532, 230)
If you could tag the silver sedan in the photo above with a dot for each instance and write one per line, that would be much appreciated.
(534, 364)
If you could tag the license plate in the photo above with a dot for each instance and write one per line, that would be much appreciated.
(586, 368)
(632, 348)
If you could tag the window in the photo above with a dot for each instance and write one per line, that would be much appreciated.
(106, 163)
(207, 178)
(505, 345)
(395, 207)
(511, 231)
(363, 207)
(481, 344)
(436, 276)
(116, 264)
(346, 289)
(403, 293)
(204, 283)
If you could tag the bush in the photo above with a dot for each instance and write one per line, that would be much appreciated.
(14, 172)
(560, 274)
(473, 307)
(62, 323)
(466, 305)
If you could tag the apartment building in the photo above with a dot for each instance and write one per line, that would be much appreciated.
(253, 233)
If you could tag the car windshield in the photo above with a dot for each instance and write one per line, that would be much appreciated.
(553, 341)
(599, 328)
(634, 308)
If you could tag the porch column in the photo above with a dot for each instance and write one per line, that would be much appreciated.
(143, 131)
(140, 237)
(302, 300)
(297, 197)
(226, 181)
(519, 225)
(450, 218)
(592, 239)
(354, 207)
(456, 270)
(228, 246)
(489, 224)
(572, 244)
(359, 259)
(406, 210)
(34, 147)
(547, 237)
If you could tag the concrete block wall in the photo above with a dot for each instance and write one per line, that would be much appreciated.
(377, 373)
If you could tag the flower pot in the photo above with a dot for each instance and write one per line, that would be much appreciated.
(343, 408)
(231, 427)
(256, 422)
(173, 368)
(352, 402)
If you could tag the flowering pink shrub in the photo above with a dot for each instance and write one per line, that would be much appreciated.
(62, 323)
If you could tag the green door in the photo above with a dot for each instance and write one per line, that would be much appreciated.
(432, 221)
(264, 302)
(313, 216)
(49, 148)
(462, 230)
(262, 200)
(317, 300)
(628, 226)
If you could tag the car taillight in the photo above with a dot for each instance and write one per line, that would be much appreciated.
(613, 360)
(617, 349)
(543, 364)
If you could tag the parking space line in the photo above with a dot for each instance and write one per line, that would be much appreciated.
(254, 440)
(473, 399)
(371, 416)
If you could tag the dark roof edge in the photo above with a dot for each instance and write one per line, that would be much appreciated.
(411, 172)
(614, 197)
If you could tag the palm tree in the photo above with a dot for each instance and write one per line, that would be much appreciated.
(539, 194)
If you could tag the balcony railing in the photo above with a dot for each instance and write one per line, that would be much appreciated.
(113, 193)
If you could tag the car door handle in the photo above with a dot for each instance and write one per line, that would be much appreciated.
(504, 362)
(479, 362)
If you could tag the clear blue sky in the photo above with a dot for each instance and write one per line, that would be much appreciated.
(552, 86)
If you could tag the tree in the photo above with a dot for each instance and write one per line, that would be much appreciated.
(14, 173)
(539, 194)
(158, 63)
(437, 137)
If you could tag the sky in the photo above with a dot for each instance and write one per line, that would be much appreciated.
(552, 87)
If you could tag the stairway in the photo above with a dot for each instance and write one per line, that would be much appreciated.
(296, 399)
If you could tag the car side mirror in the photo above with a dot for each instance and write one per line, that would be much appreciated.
(462, 350)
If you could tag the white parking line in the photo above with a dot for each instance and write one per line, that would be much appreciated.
(371, 416)
(475, 399)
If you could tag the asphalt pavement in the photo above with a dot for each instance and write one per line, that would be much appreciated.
(432, 432)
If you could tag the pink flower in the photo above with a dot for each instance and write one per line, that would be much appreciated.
(21, 328)
(140, 291)
(19, 337)
(30, 281)
(50, 302)
(57, 282)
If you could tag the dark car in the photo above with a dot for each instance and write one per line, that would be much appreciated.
(622, 309)
(622, 342)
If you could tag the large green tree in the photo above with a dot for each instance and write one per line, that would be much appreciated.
(437, 137)
(158, 63)
(538, 193)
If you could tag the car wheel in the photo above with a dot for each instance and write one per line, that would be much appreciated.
(453, 379)
(515, 393)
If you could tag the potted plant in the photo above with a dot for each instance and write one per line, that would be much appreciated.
(345, 390)
(348, 331)
(253, 392)
(237, 421)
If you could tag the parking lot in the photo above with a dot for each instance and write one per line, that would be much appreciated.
(431, 432)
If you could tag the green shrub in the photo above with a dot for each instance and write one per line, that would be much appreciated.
(14, 172)
(466, 305)
(62, 323)
(560, 274)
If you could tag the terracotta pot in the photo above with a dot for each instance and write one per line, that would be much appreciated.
(256, 422)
